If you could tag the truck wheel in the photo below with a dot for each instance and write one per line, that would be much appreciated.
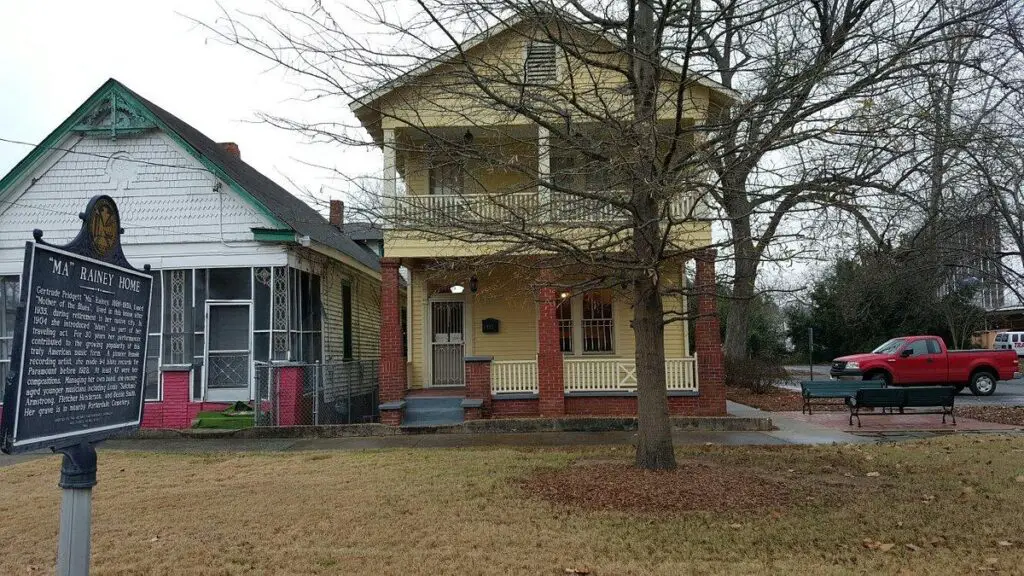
(983, 383)
(878, 376)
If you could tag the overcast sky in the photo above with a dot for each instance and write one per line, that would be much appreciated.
(54, 54)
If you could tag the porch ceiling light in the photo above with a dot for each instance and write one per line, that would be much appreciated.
(564, 294)
(457, 289)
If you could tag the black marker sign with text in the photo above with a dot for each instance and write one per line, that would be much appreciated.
(78, 368)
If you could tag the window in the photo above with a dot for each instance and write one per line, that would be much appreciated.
(152, 389)
(564, 315)
(933, 346)
(305, 317)
(346, 320)
(446, 178)
(230, 283)
(918, 348)
(597, 324)
(199, 332)
(9, 298)
(177, 317)
(1015, 337)
(541, 65)
(261, 297)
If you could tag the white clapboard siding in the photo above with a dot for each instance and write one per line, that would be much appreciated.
(165, 196)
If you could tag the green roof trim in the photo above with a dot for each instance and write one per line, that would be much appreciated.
(103, 106)
(274, 235)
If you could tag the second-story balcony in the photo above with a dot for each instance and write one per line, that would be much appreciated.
(519, 209)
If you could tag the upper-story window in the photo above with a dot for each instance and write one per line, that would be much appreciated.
(541, 65)
(445, 178)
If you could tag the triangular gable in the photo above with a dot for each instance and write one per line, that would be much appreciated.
(367, 100)
(114, 109)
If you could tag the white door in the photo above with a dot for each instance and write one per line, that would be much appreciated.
(447, 343)
(228, 371)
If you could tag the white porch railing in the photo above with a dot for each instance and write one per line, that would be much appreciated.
(619, 374)
(454, 208)
(419, 210)
(514, 376)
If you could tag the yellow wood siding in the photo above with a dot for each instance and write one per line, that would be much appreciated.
(365, 307)
(505, 293)
(446, 96)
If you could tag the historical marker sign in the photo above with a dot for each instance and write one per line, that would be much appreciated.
(78, 367)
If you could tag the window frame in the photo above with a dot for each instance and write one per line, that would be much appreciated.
(5, 359)
(575, 324)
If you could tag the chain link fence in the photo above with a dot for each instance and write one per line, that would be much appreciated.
(290, 394)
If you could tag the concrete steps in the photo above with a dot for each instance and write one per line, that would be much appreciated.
(432, 411)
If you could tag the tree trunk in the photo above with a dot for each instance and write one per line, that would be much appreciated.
(737, 324)
(654, 438)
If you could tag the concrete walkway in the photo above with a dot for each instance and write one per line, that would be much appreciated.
(792, 431)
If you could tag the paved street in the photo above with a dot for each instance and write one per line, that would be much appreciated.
(1008, 393)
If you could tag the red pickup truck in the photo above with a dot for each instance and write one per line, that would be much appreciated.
(912, 360)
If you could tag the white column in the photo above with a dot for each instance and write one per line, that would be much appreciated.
(544, 168)
(408, 316)
(390, 173)
(686, 310)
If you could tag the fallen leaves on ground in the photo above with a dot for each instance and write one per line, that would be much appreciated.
(780, 400)
(693, 486)
(1012, 415)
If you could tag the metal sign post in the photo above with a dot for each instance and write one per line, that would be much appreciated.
(78, 363)
(810, 350)
(77, 477)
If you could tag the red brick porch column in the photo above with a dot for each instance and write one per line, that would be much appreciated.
(478, 387)
(550, 377)
(392, 364)
(710, 367)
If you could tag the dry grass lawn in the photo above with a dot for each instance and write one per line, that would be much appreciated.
(946, 506)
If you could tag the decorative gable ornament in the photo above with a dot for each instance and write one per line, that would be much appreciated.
(115, 117)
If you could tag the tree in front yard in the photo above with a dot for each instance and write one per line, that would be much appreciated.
(630, 110)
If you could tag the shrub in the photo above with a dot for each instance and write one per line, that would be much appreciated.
(755, 374)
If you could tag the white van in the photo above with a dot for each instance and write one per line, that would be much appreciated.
(1010, 341)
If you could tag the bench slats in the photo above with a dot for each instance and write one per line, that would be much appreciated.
(941, 397)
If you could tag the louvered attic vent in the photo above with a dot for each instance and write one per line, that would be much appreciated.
(541, 65)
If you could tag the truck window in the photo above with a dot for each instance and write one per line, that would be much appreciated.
(933, 346)
(1015, 337)
(918, 347)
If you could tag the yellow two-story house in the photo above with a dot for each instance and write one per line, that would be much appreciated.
(473, 195)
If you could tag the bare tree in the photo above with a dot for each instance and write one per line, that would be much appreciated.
(634, 141)
(805, 70)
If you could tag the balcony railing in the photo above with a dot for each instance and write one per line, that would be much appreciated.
(415, 211)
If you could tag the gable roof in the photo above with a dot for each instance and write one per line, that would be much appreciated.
(281, 206)
(384, 89)
(357, 230)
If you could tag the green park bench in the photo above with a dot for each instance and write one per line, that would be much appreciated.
(941, 397)
(833, 389)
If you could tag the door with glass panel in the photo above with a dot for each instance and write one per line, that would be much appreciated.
(447, 348)
(228, 352)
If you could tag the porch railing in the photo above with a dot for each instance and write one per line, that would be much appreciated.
(619, 374)
(451, 209)
(590, 375)
(514, 377)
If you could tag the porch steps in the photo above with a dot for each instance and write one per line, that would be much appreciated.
(432, 411)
